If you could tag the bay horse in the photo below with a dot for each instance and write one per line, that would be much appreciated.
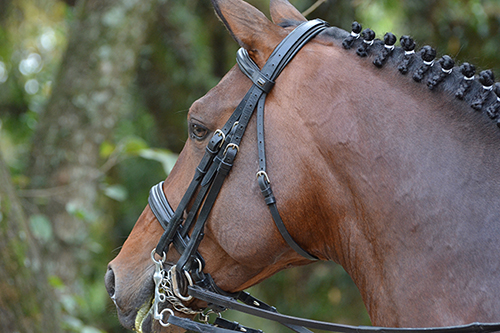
(381, 169)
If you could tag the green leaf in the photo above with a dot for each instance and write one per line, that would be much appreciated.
(106, 149)
(116, 192)
(80, 213)
(165, 157)
(41, 227)
(134, 146)
(56, 282)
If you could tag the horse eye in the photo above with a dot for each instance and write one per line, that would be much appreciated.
(198, 132)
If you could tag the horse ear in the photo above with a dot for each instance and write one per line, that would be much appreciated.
(250, 28)
(283, 11)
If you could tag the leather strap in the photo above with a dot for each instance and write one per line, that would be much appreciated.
(217, 162)
(193, 326)
(264, 81)
(231, 303)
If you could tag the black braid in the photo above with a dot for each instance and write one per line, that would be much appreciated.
(408, 44)
(356, 29)
(468, 71)
(484, 97)
(428, 54)
(487, 79)
(368, 37)
(446, 67)
(492, 110)
(389, 41)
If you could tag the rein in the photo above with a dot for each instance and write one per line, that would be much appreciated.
(185, 280)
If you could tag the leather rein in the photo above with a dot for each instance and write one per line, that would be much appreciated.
(186, 280)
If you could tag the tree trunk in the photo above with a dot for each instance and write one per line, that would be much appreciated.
(26, 300)
(187, 36)
(91, 94)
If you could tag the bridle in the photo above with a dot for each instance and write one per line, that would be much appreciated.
(186, 278)
(215, 165)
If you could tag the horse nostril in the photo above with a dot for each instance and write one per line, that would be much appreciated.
(109, 281)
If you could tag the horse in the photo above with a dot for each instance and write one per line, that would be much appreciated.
(386, 170)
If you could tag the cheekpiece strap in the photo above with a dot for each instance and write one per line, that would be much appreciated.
(264, 80)
(218, 161)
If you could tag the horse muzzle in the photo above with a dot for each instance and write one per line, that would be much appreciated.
(144, 305)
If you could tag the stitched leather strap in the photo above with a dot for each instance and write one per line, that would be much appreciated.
(217, 162)
(264, 80)
(231, 303)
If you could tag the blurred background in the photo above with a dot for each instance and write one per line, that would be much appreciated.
(93, 103)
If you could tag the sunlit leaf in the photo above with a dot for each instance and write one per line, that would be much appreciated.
(41, 227)
(134, 146)
(165, 157)
(106, 149)
(116, 192)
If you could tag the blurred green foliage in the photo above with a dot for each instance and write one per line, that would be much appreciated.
(186, 53)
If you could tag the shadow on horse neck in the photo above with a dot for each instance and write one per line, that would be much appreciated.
(411, 177)
(420, 168)
(372, 170)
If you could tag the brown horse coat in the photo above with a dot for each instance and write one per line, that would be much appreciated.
(396, 183)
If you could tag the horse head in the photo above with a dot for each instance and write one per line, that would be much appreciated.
(366, 167)
(241, 244)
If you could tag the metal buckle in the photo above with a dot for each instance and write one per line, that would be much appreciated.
(263, 173)
(221, 134)
(232, 145)
(175, 284)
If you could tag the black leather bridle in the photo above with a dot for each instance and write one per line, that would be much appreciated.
(218, 160)
(202, 192)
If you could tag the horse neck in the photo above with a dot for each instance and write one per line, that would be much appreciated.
(417, 232)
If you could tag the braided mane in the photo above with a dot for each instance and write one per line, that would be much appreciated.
(479, 90)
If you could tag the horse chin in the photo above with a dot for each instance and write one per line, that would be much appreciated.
(136, 314)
